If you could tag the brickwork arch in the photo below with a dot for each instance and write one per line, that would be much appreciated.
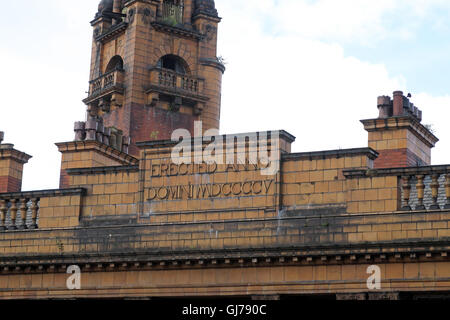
(174, 63)
(177, 49)
(115, 63)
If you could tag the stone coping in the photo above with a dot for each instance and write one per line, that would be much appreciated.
(43, 193)
(372, 154)
(7, 151)
(100, 170)
(166, 143)
(160, 26)
(89, 145)
(403, 171)
(113, 31)
(400, 122)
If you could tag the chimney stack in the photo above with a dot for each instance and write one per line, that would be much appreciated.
(398, 135)
(11, 167)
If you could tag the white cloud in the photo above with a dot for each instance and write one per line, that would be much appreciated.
(364, 21)
(437, 114)
(306, 86)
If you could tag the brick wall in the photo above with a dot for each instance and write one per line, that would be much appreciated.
(141, 47)
(11, 168)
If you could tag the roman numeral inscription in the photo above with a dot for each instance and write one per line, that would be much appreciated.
(212, 190)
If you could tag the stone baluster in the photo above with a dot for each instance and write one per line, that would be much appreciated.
(406, 186)
(447, 190)
(3, 211)
(435, 191)
(420, 191)
(23, 214)
(13, 212)
(80, 133)
(34, 212)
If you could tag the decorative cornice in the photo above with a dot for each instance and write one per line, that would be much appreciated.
(102, 170)
(169, 143)
(177, 92)
(112, 32)
(213, 63)
(7, 151)
(402, 122)
(186, 33)
(120, 89)
(203, 15)
(91, 145)
(332, 254)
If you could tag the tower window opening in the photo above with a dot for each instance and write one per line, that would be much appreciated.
(116, 63)
(174, 63)
(173, 11)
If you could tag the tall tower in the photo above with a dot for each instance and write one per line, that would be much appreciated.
(154, 68)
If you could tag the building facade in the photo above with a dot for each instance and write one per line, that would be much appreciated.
(142, 216)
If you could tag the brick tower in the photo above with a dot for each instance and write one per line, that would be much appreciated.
(154, 69)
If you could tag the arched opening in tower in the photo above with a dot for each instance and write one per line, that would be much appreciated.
(174, 63)
(116, 63)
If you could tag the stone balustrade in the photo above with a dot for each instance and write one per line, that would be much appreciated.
(44, 209)
(419, 188)
(175, 81)
(426, 190)
(107, 81)
(19, 212)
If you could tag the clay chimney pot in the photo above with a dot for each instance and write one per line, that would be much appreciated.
(398, 103)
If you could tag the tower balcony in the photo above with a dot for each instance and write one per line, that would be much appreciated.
(172, 13)
(181, 89)
(106, 90)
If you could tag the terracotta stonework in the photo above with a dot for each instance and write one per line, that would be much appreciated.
(140, 222)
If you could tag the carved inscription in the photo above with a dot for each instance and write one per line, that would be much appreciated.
(209, 190)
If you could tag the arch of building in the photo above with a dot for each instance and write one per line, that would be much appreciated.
(173, 62)
(116, 63)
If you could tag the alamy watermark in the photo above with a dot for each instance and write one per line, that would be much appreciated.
(74, 281)
(260, 149)
(374, 280)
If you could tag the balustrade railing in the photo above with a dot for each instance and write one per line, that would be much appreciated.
(106, 81)
(426, 191)
(173, 80)
(19, 213)
(189, 84)
(167, 79)
(419, 188)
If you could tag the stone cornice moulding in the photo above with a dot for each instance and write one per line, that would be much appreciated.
(91, 145)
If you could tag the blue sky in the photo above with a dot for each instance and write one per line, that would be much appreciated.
(313, 68)
(421, 57)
